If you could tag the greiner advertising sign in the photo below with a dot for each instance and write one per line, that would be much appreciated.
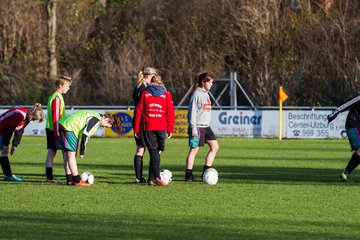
(245, 123)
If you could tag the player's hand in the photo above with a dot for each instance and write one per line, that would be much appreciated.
(12, 150)
(137, 136)
(332, 116)
(194, 133)
(168, 135)
(81, 156)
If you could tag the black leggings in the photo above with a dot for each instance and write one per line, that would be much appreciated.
(155, 142)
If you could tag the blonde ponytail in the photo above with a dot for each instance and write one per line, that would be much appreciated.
(144, 72)
(36, 113)
(140, 80)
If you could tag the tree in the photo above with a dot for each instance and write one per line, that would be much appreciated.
(51, 22)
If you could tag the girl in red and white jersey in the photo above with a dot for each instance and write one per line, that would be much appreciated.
(155, 116)
(12, 122)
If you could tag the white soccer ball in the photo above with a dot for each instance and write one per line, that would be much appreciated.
(166, 175)
(211, 176)
(87, 177)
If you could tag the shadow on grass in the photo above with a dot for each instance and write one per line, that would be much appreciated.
(45, 225)
(227, 174)
(301, 148)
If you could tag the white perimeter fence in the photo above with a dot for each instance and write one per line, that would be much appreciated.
(257, 122)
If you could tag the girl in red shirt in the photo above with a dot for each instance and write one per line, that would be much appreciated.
(12, 122)
(155, 116)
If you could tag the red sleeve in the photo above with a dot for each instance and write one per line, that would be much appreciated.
(170, 114)
(55, 109)
(138, 113)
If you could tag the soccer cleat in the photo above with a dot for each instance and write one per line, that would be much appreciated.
(70, 183)
(52, 181)
(190, 178)
(82, 184)
(343, 177)
(142, 180)
(151, 183)
(160, 182)
(12, 178)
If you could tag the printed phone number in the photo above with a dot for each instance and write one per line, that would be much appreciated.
(311, 133)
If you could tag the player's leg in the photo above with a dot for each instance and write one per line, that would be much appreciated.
(74, 170)
(210, 157)
(152, 145)
(352, 164)
(190, 159)
(354, 140)
(49, 166)
(194, 143)
(61, 144)
(138, 160)
(5, 164)
(69, 176)
(210, 139)
(161, 139)
(72, 164)
(51, 152)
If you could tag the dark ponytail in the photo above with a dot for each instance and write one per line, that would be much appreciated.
(201, 78)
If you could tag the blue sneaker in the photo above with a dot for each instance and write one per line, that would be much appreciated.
(12, 178)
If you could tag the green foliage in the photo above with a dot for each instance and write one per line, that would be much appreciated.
(268, 189)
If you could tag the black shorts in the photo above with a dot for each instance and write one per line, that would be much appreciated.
(204, 135)
(140, 141)
(50, 139)
(155, 140)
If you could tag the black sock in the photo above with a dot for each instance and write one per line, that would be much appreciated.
(188, 173)
(353, 163)
(69, 178)
(49, 173)
(138, 165)
(204, 169)
(5, 165)
(77, 178)
(154, 163)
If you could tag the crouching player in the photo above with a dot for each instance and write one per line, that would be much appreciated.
(81, 125)
(12, 122)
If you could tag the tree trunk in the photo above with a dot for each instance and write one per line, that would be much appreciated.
(51, 11)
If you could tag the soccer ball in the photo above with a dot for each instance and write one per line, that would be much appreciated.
(87, 177)
(211, 176)
(166, 176)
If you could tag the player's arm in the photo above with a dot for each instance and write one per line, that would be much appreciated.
(10, 129)
(55, 109)
(91, 123)
(16, 140)
(138, 114)
(170, 116)
(349, 103)
(193, 106)
(17, 137)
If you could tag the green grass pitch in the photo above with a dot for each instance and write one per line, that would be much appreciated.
(268, 189)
